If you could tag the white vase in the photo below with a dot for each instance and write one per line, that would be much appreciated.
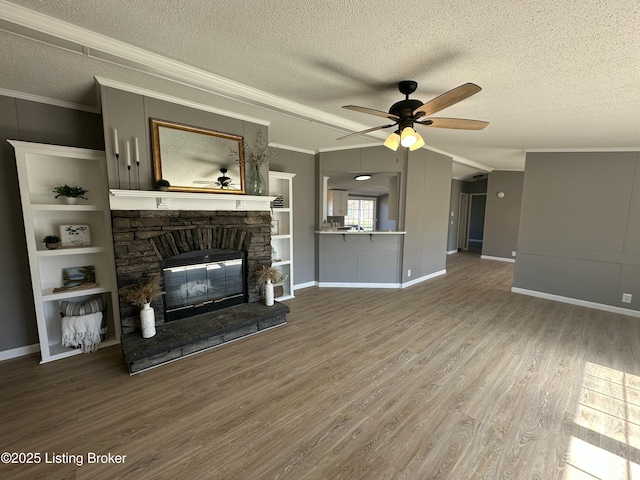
(71, 200)
(268, 293)
(147, 321)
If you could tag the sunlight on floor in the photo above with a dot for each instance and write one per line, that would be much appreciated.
(606, 441)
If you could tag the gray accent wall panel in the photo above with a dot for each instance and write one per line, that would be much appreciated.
(304, 208)
(454, 208)
(569, 277)
(579, 226)
(426, 213)
(632, 239)
(502, 217)
(576, 200)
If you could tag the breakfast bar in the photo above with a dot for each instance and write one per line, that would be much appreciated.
(364, 259)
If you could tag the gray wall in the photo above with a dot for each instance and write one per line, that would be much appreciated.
(580, 226)
(32, 122)
(304, 211)
(502, 217)
(383, 214)
(130, 114)
(428, 191)
(457, 187)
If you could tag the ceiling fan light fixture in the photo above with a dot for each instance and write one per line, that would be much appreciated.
(393, 141)
(408, 137)
(361, 178)
(419, 143)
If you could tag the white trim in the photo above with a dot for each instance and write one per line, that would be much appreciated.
(305, 285)
(19, 352)
(179, 101)
(154, 200)
(575, 301)
(425, 278)
(451, 252)
(582, 149)
(48, 101)
(500, 259)
(348, 147)
(293, 149)
(358, 285)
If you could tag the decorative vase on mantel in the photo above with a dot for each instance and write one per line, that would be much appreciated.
(256, 182)
(147, 321)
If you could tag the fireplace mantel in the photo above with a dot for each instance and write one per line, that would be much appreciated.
(154, 200)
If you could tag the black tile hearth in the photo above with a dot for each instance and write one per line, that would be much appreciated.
(184, 337)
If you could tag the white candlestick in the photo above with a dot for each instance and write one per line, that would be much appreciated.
(137, 152)
(128, 154)
(115, 141)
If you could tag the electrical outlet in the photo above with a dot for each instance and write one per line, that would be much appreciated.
(626, 298)
(513, 253)
(409, 273)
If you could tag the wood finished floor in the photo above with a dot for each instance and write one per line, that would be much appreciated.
(454, 378)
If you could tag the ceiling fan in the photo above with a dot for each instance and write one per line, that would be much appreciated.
(409, 112)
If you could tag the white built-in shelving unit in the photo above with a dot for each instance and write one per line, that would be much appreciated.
(281, 185)
(41, 168)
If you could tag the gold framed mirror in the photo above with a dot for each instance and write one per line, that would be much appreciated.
(195, 159)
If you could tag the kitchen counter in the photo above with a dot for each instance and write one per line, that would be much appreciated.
(360, 259)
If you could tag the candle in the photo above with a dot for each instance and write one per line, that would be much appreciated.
(128, 154)
(115, 141)
(137, 152)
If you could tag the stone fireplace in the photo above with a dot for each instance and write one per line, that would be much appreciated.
(207, 249)
(147, 242)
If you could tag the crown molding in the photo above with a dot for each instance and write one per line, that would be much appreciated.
(582, 150)
(105, 82)
(292, 149)
(48, 101)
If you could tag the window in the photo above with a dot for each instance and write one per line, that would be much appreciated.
(361, 213)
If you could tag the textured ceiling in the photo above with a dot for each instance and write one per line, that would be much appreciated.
(555, 74)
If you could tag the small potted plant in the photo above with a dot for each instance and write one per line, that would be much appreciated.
(71, 194)
(51, 241)
(163, 185)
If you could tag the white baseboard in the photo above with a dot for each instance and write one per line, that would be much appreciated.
(358, 285)
(575, 301)
(425, 278)
(450, 252)
(19, 352)
(305, 285)
(500, 259)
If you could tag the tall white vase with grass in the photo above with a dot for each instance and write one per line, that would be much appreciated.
(268, 293)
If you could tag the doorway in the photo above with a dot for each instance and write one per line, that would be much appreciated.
(463, 222)
(477, 207)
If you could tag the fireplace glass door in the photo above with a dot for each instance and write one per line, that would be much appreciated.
(196, 288)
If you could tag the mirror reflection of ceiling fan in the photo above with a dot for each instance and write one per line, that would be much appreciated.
(221, 182)
(409, 112)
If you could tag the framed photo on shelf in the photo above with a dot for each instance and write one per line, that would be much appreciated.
(76, 276)
(75, 235)
(275, 227)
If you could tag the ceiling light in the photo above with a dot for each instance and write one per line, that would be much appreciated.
(362, 177)
(419, 143)
(393, 141)
(408, 137)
